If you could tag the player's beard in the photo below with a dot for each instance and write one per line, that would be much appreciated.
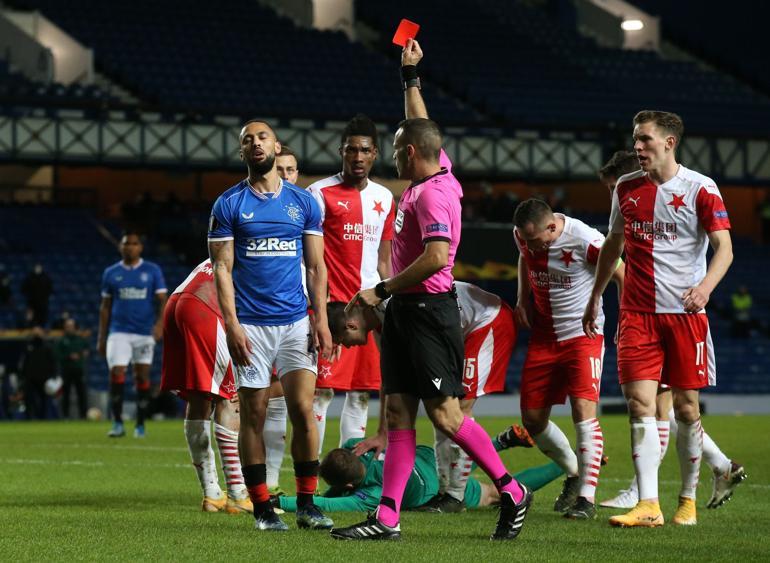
(262, 168)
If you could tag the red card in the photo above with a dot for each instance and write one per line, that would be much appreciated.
(406, 30)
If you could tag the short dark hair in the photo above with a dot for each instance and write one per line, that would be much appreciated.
(424, 134)
(360, 126)
(341, 467)
(259, 121)
(132, 233)
(671, 123)
(531, 211)
(620, 164)
(286, 150)
(335, 312)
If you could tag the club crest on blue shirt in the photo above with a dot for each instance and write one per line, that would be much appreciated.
(144, 277)
(294, 212)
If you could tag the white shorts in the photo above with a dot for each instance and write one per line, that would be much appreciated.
(288, 347)
(124, 348)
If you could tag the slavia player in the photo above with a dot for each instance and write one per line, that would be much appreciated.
(357, 215)
(726, 474)
(557, 258)
(197, 367)
(665, 216)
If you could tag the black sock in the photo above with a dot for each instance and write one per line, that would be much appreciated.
(306, 475)
(116, 401)
(142, 404)
(255, 478)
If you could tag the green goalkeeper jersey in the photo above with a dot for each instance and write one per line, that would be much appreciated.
(421, 487)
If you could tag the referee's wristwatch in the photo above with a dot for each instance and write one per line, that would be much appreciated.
(380, 291)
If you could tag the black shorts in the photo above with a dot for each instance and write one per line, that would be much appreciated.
(422, 346)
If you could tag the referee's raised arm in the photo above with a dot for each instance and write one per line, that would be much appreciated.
(414, 105)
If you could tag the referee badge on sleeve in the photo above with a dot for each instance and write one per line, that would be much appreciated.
(399, 221)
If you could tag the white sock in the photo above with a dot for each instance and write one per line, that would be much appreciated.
(443, 451)
(673, 426)
(459, 470)
(689, 446)
(590, 445)
(196, 432)
(645, 451)
(274, 435)
(553, 443)
(227, 442)
(321, 402)
(354, 415)
(714, 457)
(664, 427)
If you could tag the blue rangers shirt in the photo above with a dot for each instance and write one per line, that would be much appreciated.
(133, 291)
(267, 231)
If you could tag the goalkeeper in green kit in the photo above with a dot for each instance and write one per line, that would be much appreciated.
(355, 483)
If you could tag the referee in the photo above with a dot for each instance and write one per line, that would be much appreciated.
(422, 342)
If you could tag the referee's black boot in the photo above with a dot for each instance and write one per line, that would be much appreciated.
(511, 515)
(369, 529)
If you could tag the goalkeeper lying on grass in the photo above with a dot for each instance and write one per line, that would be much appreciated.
(355, 483)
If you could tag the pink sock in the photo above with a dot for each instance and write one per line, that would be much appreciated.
(472, 438)
(396, 470)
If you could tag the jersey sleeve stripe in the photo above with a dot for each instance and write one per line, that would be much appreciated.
(220, 239)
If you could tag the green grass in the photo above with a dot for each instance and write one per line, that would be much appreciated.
(69, 493)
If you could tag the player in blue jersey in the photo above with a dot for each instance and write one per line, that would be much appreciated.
(259, 231)
(130, 322)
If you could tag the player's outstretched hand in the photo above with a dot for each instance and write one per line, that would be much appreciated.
(238, 345)
(378, 442)
(366, 297)
(411, 53)
(694, 299)
(157, 332)
(589, 318)
(522, 314)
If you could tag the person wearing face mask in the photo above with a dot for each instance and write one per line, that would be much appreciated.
(37, 365)
(37, 288)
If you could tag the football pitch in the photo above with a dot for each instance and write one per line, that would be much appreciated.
(70, 493)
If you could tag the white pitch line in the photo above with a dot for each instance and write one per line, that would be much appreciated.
(25, 461)
(106, 446)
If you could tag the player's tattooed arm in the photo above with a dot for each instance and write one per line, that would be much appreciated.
(414, 105)
(313, 247)
(105, 309)
(222, 260)
(696, 298)
(611, 251)
(523, 311)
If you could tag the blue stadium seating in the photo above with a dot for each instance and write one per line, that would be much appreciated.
(516, 62)
(73, 252)
(227, 58)
(18, 93)
(730, 37)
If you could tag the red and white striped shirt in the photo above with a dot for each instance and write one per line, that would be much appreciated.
(561, 278)
(666, 231)
(354, 223)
